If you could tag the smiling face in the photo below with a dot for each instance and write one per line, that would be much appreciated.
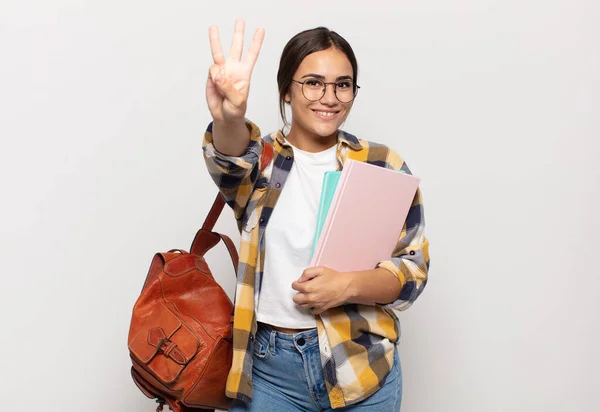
(315, 123)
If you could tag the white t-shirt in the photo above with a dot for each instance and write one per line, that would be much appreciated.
(289, 239)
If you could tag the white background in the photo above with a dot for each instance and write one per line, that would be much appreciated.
(494, 104)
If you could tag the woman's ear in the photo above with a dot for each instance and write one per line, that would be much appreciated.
(287, 98)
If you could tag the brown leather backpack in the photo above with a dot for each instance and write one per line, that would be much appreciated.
(180, 336)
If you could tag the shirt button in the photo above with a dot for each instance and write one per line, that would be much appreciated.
(262, 220)
(301, 341)
(277, 185)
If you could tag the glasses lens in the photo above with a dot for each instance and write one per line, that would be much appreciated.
(313, 89)
(344, 91)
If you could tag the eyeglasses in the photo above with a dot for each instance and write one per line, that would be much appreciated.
(314, 89)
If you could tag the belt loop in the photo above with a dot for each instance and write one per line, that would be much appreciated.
(272, 342)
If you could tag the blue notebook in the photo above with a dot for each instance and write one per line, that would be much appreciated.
(330, 182)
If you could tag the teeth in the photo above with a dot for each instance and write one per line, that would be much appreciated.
(326, 114)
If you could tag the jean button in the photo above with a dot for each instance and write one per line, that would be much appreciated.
(301, 341)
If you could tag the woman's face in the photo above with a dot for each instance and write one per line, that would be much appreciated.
(321, 118)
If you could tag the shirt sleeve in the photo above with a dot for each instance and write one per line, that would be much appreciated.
(235, 176)
(410, 259)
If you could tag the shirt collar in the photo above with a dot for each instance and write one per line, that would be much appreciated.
(343, 138)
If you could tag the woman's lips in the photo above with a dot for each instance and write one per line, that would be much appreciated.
(325, 115)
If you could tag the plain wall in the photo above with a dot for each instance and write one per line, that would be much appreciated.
(494, 104)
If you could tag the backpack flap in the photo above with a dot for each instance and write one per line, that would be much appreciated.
(163, 345)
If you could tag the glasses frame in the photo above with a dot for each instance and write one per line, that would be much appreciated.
(356, 87)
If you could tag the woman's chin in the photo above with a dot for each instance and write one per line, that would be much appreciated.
(325, 130)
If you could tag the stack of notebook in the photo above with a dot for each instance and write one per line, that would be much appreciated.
(361, 215)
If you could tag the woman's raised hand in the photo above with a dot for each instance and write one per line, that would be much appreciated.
(228, 82)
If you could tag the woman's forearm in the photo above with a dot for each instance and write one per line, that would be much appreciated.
(370, 287)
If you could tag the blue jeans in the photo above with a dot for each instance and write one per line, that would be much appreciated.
(287, 377)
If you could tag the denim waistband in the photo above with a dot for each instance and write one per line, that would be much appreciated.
(305, 339)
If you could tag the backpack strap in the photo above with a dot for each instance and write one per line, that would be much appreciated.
(206, 240)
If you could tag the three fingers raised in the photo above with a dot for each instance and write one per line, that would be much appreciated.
(237, 44)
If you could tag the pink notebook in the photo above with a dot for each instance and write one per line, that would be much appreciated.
(366, 217)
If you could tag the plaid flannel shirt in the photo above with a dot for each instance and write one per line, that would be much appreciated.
(356, 341)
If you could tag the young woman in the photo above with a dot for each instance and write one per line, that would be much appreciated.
(305, 338)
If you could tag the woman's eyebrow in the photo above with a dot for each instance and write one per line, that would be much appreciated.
(321, 77)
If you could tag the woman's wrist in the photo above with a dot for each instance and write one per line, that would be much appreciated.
(231, 137)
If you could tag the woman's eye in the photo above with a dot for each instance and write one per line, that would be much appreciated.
(344, 85)
(314, 83)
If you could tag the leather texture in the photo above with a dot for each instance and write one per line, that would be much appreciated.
(180, 335)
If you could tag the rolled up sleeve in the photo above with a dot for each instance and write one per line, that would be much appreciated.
(235, 176)
(410, 259)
